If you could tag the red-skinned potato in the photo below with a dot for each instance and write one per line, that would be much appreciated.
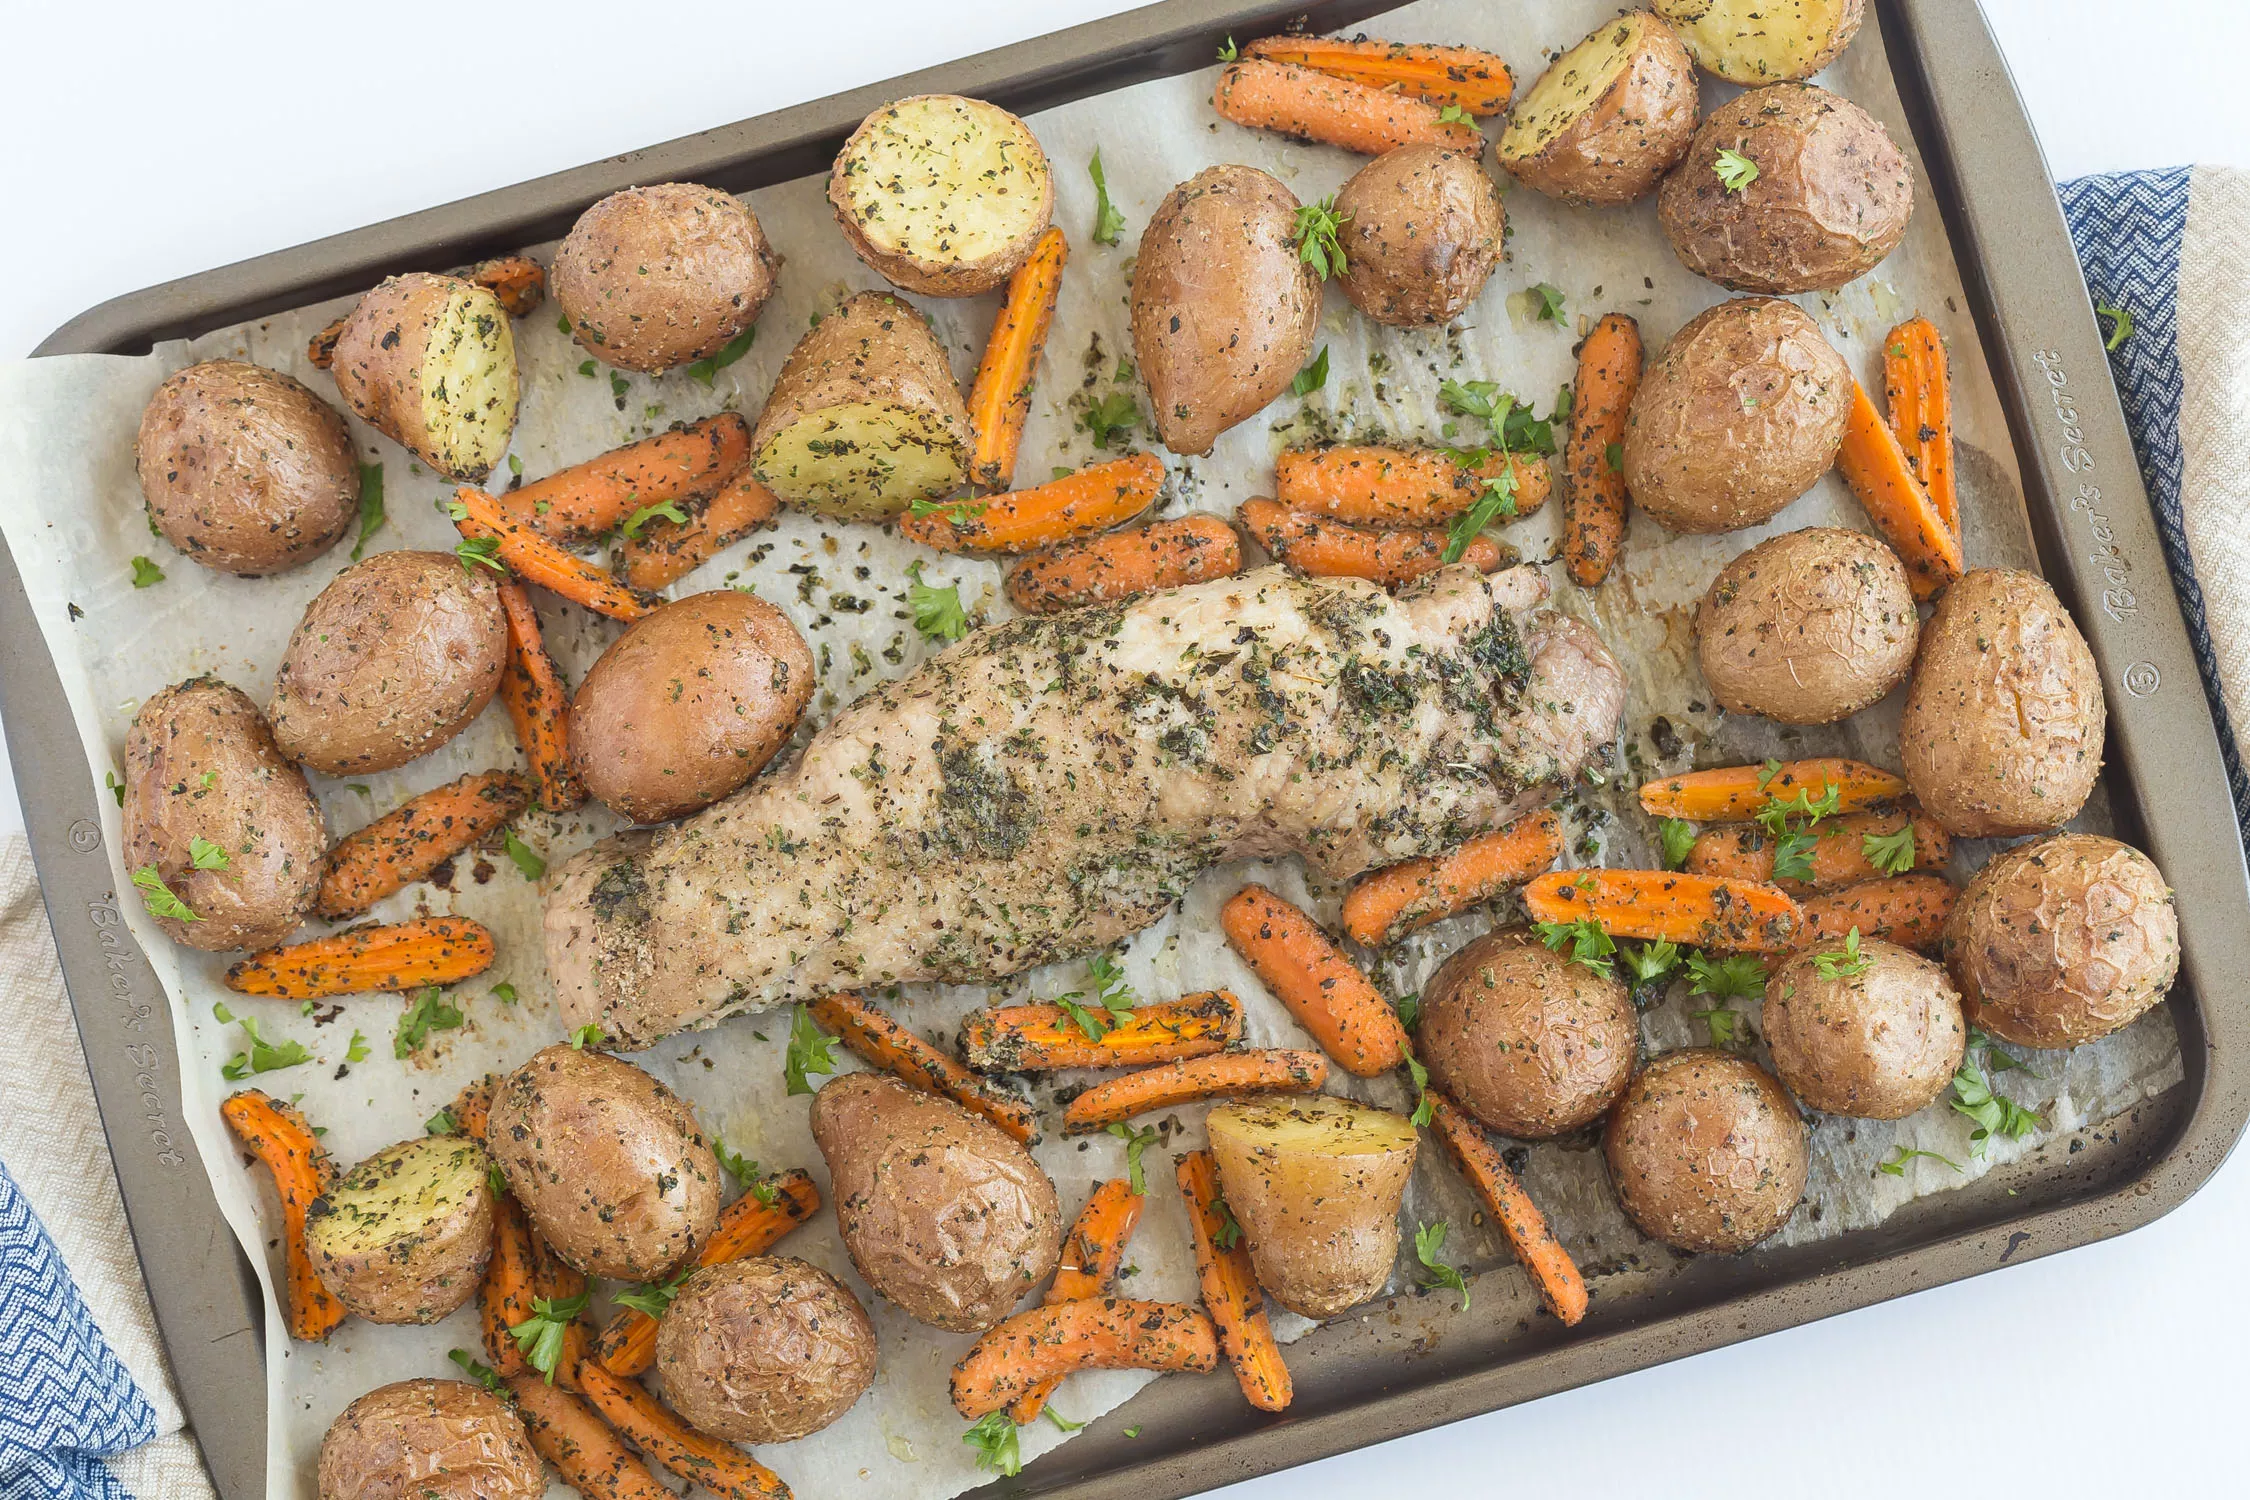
(429, 1440)
(1607, 118)
(1706, 1151)
(430, 362)
(654, 277)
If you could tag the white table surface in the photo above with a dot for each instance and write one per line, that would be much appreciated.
(2113, 1370)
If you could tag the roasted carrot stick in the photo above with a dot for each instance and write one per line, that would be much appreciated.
(402, 956)
(1920, 393)
(1041, 1038)
(407, 843)
(1091, 1256)
(748, 1226)
(1909, 910)
(1103, 569)
(1000, 398)
(1593, 516)
(1367, 485)
(1477, 82)
(1105, 1333)
(1306, 972)
(472, 1107)
(552, 1281)
(666, 551)
(539, 704)
(1745, 851)
(1225, 1075)
(1333, 111)
(875, 1038)
(320, 349)
(603, 492)
(1730, 793)
(1692, 910)
(1553, 1273)
(1231, 1294)
(665, 1439)
(1322, 548)
(506, 1296)
(1392, 902)
(517, 280)
(534, 559)
(280, 1138)
(1874, 465)
(1095, 498)
(569, 1435)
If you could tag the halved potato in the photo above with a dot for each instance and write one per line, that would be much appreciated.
(943, 195)
(430, 362)
(1316, 1185)
(865, 418)
(1763, 41)
(405, 1236)
(1608, 118)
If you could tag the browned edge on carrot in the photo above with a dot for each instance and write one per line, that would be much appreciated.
(1090, 500)
(1231, 1294)
(1310, 975)
(1321, 548)
(1000, 395)
(409, 842)
(401, 956)
(606, 491)
(666, 551)
(569, 1434)
(1390, 488)
(1092, 1253)
(876, 1038)
(538, 704)
(1124, 564)
(1553, 1273)
(1725, 794)
(666, 1439)
(1044, 1038)
(1594, 498)
(518, 549)
(1094, 1333)
(1391, 902)
(1699, 911)
(1223, 1075)
(1919, 390)
(278, 1136)
(1909, 910)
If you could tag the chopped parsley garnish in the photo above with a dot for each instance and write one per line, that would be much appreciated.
(480, 551)
(1229, 52)
(994, 1438)
(1454, 114)
(1550, 304)
(1892, 853)
(1679, 837)
(1725, 1025)
(440, 1123)
(752, 1176)
(1105, 419)
(1588, 944)
(1973, 1095)
(478, 1371)
(1060, 1420)
(146, 573)
(1735, 171)
(959, 511)
(116, 787)
(1409, 1011)
(1737, 976)
(1901, 1155)
(1845, 963)
(588, 1035)
(938, 614)
(810, 1050)
(1650, 962)
(1229, 1233)
(504, 992)
(370, 506)
(529, 863)
(1429, 1240)
(736, 347)
(652, 1300)
(1420, 1075)
(158, 897)
(1614, 456)
(1497, 503)
(428, 1013)
(1109, 224)
(2120, 325)
(205, 855)
(1313, 376)
(1318, 237)
(261, 1056)
(540, 1336)
(1136, 1141)
(358, 1050)
(667, 510)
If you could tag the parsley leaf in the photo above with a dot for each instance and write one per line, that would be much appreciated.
(752, 1176)
(205, 855)
(1313, 376)
(1109, 227)
(667, 510)
(529, 863)
(1892, 853)
(1848, 963)
(262, 1056)
(1650, 962)
(1551, 304)
(1060, 1420)
(1475, 398)
(1735, 171)
(1110, 988)
(618, 386)
(358, 1050)
(146, 573)
(588, 1035)
(1409, 1011)
(1498, 502)
(1614, 456)
(1901, 1155)
(736, 347)
(116, 787)
(370, 506)
(1725, 1024)
(158, 897)
(1429, 1240)
(1318, 237)
(1454, 114)
(428, 1013)
(540, 1336)
(1679, 837)
(1588, 944)
(1775, 816)
(1792, 855)
(478, 1371)
(1115, 413)
(652, 1300)
(1973, 1096)
(1229, 1233)
(1423, 1108)
(504, 992)
(1136, 1141)
(938, 614)
(1737, 976)
(480, 551)
(1230, 52)
(2120, 325)
(1094, 1026)
(994, 1438)
(810, 1050)
(440, 1123)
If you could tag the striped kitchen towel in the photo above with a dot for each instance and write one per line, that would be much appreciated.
(2167, 260)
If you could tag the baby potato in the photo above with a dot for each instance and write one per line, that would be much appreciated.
(943, 1212)
(1422, 231)
(1742, 414)
(1526, 1041)
(764, 1350)
(1316, 1184)
(2002, 732)
(654, 277)
(2062, 941)
(1706, 1151)
(688, 704)
(391, 660)
(1877, 1039)
(1224, 307)
(429, 1440)
(943, 196)
(1830, 196)
(430, 363)
(1763, 41)
(216, 814)
(607, 1162)
(244, 469)
(405, 1236)
(1808, 627)
(1607, 118)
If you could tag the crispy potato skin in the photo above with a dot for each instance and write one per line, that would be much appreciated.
(380, 358)
(421, 1269)
(1526, 1041)
(607, 1161)
(1877, 1045)
(1729, 37)
(244, 469)
(200, 762)
(653, 277)
(429, 1440)
(1422, 235)
(391, 660)
(1707, 1151)
(2062, 941)
(2002, 732)
(1808, 627)
(943, 1212)
(1832, 196)
(764, 1350)
(1742, 414)
(929, 275)
(1224, 307)
(1617, 147)
(688, 704)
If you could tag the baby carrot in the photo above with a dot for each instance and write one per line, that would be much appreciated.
(472, 1107)
(402, 956)
(876, 1038)
(1322, 548)
(1692, 910)
(1095, 498)
(1000, 398)
(505, 1298)
(278, 1136)
(1909, 910)
(1307, 973)
(665, 1439)
(1920, 396)
(407, 843)
(1094, 1333)
(1333, 111)
(1729, 793)
(538, 704)
(1369, 485)
(666, 551)
(1231, 1294)
(1593, 507)
(605, 491)
(1553, 1273)
(1043, 1038)
(571, 1436)
(1091, 1256)
(1226, 1075)
(1103, 569)
(524, 552)
(554, 1281)
(1838, 857)
(1874, 465)
(1392, 902)
(517, 280)
(1477, 83)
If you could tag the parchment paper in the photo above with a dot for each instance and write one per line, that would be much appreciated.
(73, 516)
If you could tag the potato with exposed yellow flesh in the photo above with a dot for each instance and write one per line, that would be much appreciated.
(1763, 41)
(1608, 118)
(430, 362)
(1315, 1184)
(944, 196)
(405, 1236)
